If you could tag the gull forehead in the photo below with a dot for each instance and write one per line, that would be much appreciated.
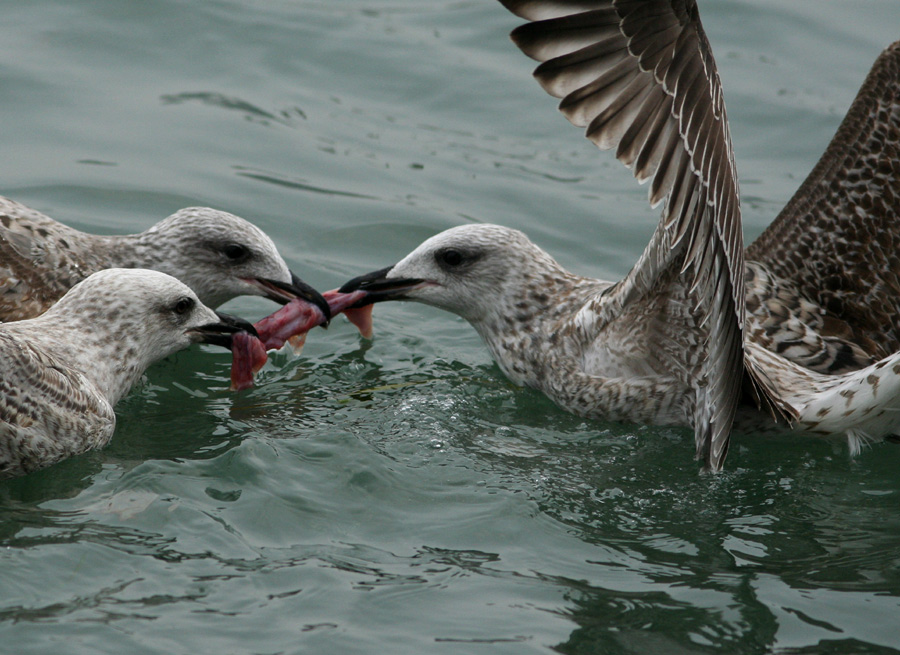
(203, 226)
(483, 234)
(484, 251)
(478, 237)
(200, 222)
(135, 278)
(124, 287)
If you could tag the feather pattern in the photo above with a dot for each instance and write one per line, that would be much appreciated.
(41, 259)
(666, 344)
(48, 411)
(64, 371)
(641, 78)
(824, 289)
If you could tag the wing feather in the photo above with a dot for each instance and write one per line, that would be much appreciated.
(837, 240)
(646, 125)
(612, 123)
(38, 263)
(47, 411)
(561, 76)
(640, 76)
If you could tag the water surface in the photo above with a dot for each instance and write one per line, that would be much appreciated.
(401, 496)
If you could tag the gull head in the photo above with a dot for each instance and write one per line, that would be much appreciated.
(115, 323)
(221, 256)
(478, 272)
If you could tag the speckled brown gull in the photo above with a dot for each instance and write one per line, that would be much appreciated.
(64, 371)
(666, 344)
(219, 255)
(682, 303)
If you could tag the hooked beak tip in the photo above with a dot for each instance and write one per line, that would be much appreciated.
(221, 333)
(235, 324)
(378, 287)
(283, 293)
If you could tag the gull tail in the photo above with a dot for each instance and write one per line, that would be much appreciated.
(862, 406)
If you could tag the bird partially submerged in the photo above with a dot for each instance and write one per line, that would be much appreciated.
(219, 255)
(64, 371)
(538, 321)
(673, 342)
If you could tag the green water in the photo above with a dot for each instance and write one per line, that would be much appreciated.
(401, 496)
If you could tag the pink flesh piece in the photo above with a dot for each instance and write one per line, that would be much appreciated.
(296, 317)
(299, 317)
(297, 341)
(290, 324)
(339, 302)
(361, 317)
(249, 356)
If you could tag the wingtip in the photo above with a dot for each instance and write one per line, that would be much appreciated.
(544, 9)
(517, 7)
(712, 448)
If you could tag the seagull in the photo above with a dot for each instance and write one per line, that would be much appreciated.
(65, 370)
(218, 255)
(696, 324)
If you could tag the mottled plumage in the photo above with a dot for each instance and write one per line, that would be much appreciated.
(64, 371)
(641, 78)
(666, 345)
(862, 406)
(835, 247)
(530, 313)
(217, 254)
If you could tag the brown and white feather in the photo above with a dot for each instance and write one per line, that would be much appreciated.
(41, 259)
(668, 344)
(837, 242)
(64, 371)
(640, 77)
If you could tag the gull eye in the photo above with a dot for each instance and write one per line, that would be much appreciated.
(450, 257)
(184, 305)
(236, 252)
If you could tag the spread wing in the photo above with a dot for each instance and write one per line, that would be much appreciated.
(47, 411)
(639, 75)
(37, 262)
(838, 239)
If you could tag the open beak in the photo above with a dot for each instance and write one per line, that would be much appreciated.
(220, 334)
(379, 287)
(284, 293)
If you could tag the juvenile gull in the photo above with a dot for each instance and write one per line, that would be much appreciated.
(64, 371)
(666, 344)
(219, 255)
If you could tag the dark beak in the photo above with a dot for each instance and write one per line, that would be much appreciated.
(284, 293)
(220, 334)
(379, 288)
